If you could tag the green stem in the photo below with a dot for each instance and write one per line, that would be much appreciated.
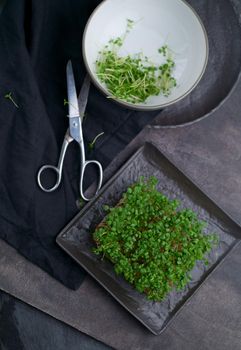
(92, 144)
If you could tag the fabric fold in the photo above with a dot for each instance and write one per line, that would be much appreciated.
(37, 38)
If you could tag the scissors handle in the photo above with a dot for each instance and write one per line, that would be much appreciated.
(58, 177)
(57, 169)
(83, 168)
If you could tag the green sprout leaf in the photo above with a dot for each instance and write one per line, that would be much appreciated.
(9, 97)
(66, 102)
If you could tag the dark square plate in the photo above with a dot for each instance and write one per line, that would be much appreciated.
(76, 237)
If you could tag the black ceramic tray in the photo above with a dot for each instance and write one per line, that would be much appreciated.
(76, 238)
(221, 19)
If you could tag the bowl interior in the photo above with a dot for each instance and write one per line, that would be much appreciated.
(157, 23)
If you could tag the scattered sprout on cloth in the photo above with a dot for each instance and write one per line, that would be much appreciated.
(9, 96)
(134, 78)
(91, 145)
(152, 243)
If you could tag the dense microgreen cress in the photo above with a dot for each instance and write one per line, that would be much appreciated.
(134, 78)
(151, 241)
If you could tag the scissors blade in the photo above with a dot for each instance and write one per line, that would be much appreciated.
(75, 127)
(83, 96)
(72, 94)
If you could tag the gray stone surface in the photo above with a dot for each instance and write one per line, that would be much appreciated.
(22, 327)
(210, 152)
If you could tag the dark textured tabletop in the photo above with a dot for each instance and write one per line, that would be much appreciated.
(210, 153)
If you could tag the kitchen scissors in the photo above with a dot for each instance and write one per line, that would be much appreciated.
(73, 133)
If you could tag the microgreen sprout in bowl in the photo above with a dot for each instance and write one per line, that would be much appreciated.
(134, 78)
(131, 39)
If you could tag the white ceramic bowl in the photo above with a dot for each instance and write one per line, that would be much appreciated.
(157, 22)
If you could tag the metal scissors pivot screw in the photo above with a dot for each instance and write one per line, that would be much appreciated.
(73, 133)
